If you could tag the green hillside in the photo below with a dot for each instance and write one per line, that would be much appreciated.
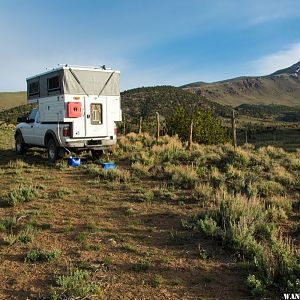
(11, 99)
(145, 101)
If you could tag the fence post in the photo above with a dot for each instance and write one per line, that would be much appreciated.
(190, 141)
(124, 124)
(140, 126)
(157, 126)
(233, 125)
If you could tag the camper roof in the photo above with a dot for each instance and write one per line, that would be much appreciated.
(74, 80)
(73, 67)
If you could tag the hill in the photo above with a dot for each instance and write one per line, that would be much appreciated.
(281, 87)
(11, 99)
(145, 101)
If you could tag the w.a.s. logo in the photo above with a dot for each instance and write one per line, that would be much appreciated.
(291, 296)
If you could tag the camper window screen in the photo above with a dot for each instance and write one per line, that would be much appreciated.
(96, 114)
(34, 88)
(53, 83)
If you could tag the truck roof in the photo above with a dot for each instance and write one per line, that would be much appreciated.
(73, 67)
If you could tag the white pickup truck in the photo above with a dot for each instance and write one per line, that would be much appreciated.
(30, 132)
(78, 108)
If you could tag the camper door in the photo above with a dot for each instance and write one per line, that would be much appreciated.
(95, 116)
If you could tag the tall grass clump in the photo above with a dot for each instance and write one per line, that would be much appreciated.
(19, 195)
(116, 174)
(75, 285)
(184, 177)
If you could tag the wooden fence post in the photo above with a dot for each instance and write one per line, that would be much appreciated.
(124, 124)
(190, 141)
(140, 126)
(157, 126)
(233, 125)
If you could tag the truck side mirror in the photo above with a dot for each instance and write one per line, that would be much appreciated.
(22, 119)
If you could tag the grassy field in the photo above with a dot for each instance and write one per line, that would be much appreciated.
(212, 223)
(11, 99)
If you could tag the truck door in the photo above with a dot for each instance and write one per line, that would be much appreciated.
(95, 116)
(27, 128)
(38, 131)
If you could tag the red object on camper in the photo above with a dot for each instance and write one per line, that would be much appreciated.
(74, 109)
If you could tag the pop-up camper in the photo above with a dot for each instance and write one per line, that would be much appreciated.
(77, 109)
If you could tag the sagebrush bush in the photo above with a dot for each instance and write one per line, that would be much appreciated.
(19, 195)
(75, 285)
(203, 193)
(255, 285)
(184, 177)
(116, 174)
(38, 255)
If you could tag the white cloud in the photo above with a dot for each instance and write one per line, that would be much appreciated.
(277, 60)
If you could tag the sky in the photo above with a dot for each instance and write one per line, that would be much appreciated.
(157, 42)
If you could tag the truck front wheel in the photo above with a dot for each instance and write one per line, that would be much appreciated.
(20, 145)
(52, 150)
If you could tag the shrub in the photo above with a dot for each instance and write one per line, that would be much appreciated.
(156, 281)
(76, 285)
(8, 223)
(140, 169)
(208, 226)
(182, 176)
(203, 192)
(207, 129)
(141, 266)
(38, 255)
(255, 285)
(146, 196)
(20, 195)
(270, 188)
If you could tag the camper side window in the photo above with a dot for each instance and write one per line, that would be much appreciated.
(34, 88)
(53, 84)
(96, 113)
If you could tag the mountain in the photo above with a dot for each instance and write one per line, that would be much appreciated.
(292, 70)
(11, 99)
(281, 87)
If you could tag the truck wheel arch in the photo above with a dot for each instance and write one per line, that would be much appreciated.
(50, 135)
(18, 131)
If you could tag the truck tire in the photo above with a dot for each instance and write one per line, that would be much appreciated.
(52, 151)
(96, 154)
(20, 145)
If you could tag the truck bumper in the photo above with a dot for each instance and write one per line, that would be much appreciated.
(90, 144)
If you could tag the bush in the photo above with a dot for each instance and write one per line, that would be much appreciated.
(207, 129)
(209, 226)
(75, 285)
(156, 281)
(182, 176)
(20, 195)
(141, 266)
(37, 255)
(255, 285)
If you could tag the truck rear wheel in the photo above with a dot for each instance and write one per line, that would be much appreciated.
(52, 150)
(20, 145)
